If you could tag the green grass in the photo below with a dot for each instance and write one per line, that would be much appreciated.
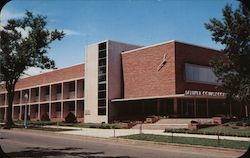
(227, 129)
(192, 141)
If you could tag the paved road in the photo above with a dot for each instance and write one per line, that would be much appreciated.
(25, 143)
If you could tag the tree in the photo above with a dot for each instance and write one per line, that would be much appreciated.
(233, 71)
(24, 44)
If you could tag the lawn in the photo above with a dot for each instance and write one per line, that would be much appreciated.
(192, 141)
(239, 128)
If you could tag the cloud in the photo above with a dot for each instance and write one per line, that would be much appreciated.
(69, 32)
(6, 15)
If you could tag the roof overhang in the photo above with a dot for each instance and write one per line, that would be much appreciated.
(169, 96)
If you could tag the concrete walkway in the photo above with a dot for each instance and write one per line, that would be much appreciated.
(107, 133)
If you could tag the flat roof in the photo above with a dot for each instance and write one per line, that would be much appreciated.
(166, 42)
(169, 96)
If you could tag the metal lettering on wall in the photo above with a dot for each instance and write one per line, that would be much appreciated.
(204, 93)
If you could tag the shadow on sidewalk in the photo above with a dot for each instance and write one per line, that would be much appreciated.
(38, 152)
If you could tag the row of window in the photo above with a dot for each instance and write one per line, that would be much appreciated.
(102, 53)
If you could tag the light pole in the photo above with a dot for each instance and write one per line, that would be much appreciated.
(26, 96)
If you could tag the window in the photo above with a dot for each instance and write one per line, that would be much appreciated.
(200, 74)
(58, 88)
(102, 79)
(47, 90)
(72, 86)
(58, 107)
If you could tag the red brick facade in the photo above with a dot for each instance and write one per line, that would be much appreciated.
(185, 53)
(67, 73)
(143, 79)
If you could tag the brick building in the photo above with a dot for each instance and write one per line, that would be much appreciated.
(122, 81)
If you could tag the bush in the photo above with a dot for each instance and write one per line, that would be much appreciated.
(194, 122)
(45, 117)
(28, 117)
(70, 118)
(239, 124)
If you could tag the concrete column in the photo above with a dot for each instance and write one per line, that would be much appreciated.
(5, 113)
(20, 110)
(175, 106)
(39, 112)
(50, 110)
(62, 110)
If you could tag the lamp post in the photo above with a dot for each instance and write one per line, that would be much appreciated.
(26, 96)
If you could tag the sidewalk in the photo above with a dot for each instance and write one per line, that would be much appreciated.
(107, 133)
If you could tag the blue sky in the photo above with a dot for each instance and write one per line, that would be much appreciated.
(142, 22)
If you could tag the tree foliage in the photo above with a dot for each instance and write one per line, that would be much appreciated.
(233, 32)
(24, 43)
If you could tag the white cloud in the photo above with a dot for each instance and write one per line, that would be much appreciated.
(70, 32)
(6, 15)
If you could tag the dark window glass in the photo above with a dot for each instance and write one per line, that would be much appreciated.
(102, 111)
(72, 86)
(58, 88)
(101, 78)
(58, 107)
(102, 70)
(102, 62)
(102, 103)
(102, 46)
(102, 87)
(102, 94)
(71, 107)
(47, 90)
(102, 54)
(37, 92)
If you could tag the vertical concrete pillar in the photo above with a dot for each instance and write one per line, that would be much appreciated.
(175, 106)
(62, 106)
(5, 113)
(20, 110)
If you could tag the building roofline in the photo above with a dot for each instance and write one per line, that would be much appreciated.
(107, 40)
(166, 42)
(53, 70)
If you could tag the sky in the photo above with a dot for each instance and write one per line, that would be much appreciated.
(142, 22)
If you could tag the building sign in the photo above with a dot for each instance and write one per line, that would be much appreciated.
(204, 93)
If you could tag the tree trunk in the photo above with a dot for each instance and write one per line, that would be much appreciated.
(10, 97)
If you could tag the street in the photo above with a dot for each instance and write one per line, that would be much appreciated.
(27, 143)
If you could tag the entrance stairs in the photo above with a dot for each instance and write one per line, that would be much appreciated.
(169, 123)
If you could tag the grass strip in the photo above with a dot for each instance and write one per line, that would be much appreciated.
(189, 140)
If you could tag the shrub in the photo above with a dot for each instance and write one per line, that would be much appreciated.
(45, 117)
(194, 122)
(239, 124)
(70, 118)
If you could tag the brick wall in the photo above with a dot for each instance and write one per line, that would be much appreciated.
(68, 73)
(194, 55)
(141, 75)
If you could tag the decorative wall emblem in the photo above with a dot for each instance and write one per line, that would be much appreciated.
(164, 61)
